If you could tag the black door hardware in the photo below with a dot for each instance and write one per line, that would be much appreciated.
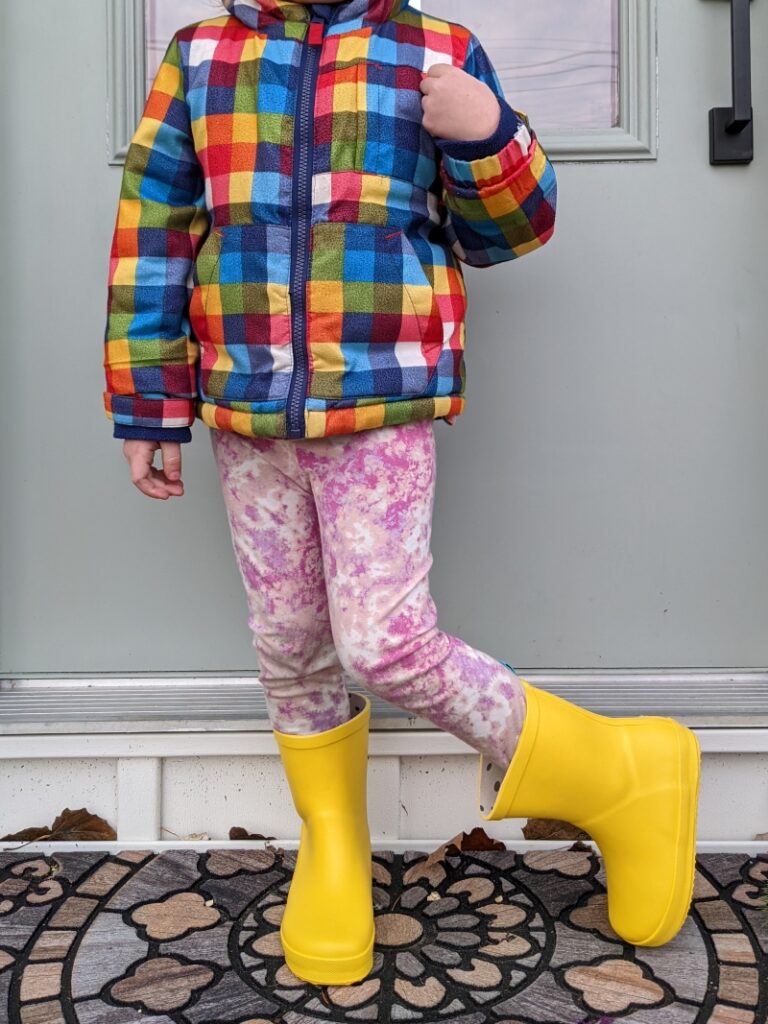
(730, 128)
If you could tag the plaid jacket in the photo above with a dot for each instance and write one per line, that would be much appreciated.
(288, 247)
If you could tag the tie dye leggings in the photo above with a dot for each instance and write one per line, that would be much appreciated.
(332, 540)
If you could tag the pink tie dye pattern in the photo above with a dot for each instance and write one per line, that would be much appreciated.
(332, 539)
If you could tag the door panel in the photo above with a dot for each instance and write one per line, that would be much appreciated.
(600, 504)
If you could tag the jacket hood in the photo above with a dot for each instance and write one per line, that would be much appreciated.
(256, 13)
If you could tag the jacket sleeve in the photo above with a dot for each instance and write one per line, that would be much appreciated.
(500, 191)
(150, 356)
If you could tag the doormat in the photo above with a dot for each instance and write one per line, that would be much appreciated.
(491, 937)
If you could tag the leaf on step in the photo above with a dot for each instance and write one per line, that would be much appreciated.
(27, 834)
(81, 824)
(477, 839)
(761, 835)
(553, 828)
(237, 832)
(431, 868)
(68, 826)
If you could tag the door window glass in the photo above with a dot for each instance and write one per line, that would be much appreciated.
(164, 17)
(557, 60)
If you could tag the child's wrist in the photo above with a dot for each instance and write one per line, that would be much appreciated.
(472, 149)
(492, 121)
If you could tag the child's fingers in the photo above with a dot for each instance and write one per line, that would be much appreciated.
(145, 477)
(152, 490)
(438, 69)
(156, 485)
(171, 451)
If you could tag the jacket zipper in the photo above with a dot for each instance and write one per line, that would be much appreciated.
(301, 219)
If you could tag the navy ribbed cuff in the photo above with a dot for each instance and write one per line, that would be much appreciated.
(126, 431)
(473, 149)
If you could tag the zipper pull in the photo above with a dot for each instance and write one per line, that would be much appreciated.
(315, 34)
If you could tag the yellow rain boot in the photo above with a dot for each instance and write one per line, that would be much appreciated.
(327, 929)
(631, 783)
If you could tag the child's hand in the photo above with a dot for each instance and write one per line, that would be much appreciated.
(458, 106)
(153, 482)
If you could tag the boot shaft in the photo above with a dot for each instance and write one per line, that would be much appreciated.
(327, 771)
(567, 756)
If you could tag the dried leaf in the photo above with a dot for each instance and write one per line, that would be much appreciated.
(69, 826)
(436, 856)
(81, 824)
(237, 832)
(477, 839)
(27, 834)
(553, 828)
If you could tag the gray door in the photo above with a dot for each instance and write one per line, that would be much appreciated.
(601, 504)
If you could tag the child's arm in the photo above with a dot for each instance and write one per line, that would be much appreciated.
(500, 191)
(149, 356)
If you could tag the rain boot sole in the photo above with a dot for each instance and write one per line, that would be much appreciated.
(328, 971)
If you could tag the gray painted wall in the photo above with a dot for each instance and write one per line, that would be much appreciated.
(601, 503)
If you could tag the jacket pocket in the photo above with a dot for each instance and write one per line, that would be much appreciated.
(203, 270)
(372, 325)
(240, 312)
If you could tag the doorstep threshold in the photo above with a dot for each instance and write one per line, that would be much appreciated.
(92, 704)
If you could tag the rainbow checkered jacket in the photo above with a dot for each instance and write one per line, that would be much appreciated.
(288, 248)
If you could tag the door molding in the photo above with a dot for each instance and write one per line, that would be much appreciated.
(126, 74)
(634, 138)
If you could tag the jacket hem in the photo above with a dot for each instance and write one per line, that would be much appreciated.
(329, 421)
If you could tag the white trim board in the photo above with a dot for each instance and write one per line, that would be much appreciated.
(397, 845)
(205, 742)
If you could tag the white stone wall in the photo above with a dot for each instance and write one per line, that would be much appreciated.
(412, 798)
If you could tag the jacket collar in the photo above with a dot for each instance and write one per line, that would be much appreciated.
(259, 13)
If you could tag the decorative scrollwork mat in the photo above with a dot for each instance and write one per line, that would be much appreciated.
(492, 937)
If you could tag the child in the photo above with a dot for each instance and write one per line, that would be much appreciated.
(298, 198)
